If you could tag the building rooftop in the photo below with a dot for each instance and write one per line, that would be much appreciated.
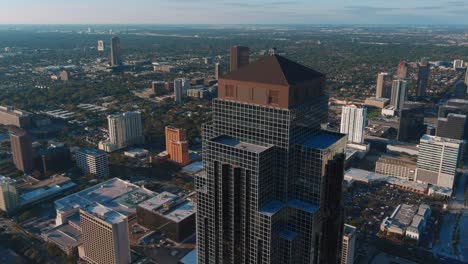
(106, 214)
(115, 194)
(92, 152)
(349, 230)
(378, 99)
(434, 139)
(403, 214)
(287, 234)
(322, 141)
(157, 201)
(272, 208)
(397, 161)
(230, 141)
(64, 235)
(274, 69)
(12, 111)
(304, 206)
(181, 211)
(6, 180)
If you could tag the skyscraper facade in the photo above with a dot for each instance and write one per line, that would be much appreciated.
(384, 85)
(399, 94)
(105, 235)
(116, 52)
(217, 70)
(353, 123)
(411, 123)
(125, 129)
(177, 145)
(21, 148)
(457, 64)
(402, 72)
(9, 198)
(453, 126)
(466, 77)
(181, 85)
(423, 78)
(349, 244)
(100, 46)
(438, 160)
(272, 189)
(240, 57)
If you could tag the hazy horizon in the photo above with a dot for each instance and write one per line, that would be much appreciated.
(228, 12)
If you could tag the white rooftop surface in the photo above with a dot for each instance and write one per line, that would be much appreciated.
(225, 140)
(92, 152)
(181, 211)
(105, 213)
(114, 194)
(157, 201)
(434, 139)
(363, 175)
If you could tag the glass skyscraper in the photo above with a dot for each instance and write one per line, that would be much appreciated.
(272, 188)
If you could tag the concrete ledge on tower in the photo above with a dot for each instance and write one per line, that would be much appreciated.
(230, 141)
(271, 208)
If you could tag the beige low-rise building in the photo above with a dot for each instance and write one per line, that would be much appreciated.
(397, 167)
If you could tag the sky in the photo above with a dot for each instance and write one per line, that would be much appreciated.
(234, 12)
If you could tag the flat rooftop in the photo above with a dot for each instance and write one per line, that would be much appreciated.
(105, 213)
(115, 194)
(434, 139)
(404, 214)
(230, 141)
(181, 211)
(322, 141)
(157, 201)
(349, 230)
(92, 152)
(65, 235)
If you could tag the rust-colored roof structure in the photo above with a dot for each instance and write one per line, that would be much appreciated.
(274, 69)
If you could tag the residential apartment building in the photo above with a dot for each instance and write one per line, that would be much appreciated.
(92, 161)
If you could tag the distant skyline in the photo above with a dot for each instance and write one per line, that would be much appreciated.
(234, 12)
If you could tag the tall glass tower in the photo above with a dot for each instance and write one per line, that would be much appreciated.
(272, 188)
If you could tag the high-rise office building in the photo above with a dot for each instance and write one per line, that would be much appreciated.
(9, 116)
(353, 123)
(457, 64)
(384, 85)
(466, 77)
(116, 52)
(92, 161)
(423, 78)
(399, 93)
(217, 70)
(9, 198)
(181, 85)
(411, 122)
(455, 106)
(272, 189)
(177, 145)
(125, 129)
(240, 57)
(402, 71)
(438, 160)
(158, 87)
(453, 126)
(100, 45)
(21, 148)
(349, 244)
(105, 235)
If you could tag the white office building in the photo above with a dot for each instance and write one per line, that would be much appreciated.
(353, 123)
(438, 160)
(124, 130)
(9, 199)
(92, 161)
(457, 64)
(399, 94)
(348, 245)
(181, 85)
